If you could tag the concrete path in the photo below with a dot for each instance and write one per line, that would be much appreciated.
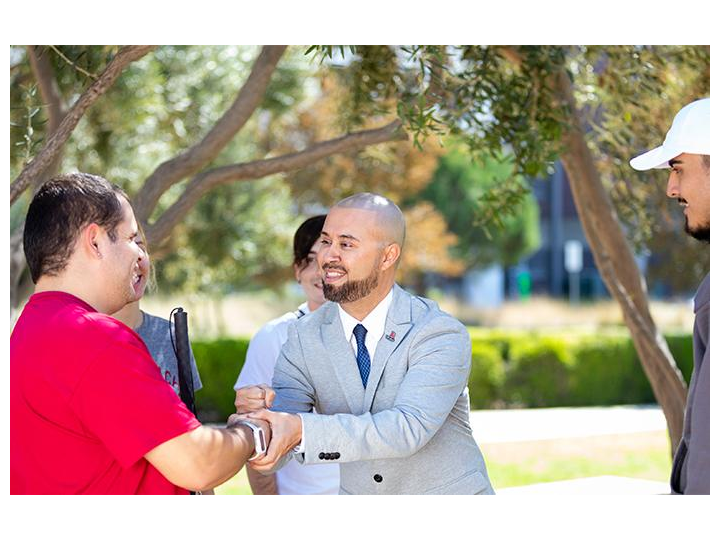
(491, 426)
(494, 426)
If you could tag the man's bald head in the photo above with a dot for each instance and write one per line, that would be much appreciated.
(390, 220)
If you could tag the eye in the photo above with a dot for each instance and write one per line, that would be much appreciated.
(324, 241)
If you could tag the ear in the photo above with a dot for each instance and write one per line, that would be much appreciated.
(391, 254)
(90, 241)
(297, 272)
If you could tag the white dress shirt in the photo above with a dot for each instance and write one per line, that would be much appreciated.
(374, 323)
(262, 354)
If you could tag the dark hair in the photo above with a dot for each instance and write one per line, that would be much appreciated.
(305, 237)
(61, 208)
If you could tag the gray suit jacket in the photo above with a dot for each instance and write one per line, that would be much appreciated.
(409, 430)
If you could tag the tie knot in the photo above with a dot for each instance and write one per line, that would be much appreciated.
(360, 332)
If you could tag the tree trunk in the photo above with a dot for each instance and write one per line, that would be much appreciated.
(617, 266)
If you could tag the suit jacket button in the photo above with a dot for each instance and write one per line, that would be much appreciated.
(321, 455)
(377, 478)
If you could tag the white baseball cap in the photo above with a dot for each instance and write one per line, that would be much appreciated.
(689, 133)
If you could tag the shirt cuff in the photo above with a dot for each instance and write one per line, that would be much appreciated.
(300, 448)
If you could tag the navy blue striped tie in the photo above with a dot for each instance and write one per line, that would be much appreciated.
(363, 357)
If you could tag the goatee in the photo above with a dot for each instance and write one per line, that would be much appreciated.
(351, 291)
(699, 233)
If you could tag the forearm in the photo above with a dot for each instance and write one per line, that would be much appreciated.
(203, 458)
(224, 453)
(262, 484)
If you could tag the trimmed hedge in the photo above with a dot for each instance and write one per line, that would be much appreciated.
(487, 375)
(219, 363)
(539, 372)
(509, 369)
(608, 372)
(573, 369)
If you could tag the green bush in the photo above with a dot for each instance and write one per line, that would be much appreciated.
(502, 340)
(681, 347)
(538, 372)
(508, 368)
(608, 372)
(219, 363)
(487, 374)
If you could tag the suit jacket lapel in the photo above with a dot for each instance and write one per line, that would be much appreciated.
(397, 326)
(342, 357)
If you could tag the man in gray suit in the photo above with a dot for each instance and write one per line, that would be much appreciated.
(385, 371)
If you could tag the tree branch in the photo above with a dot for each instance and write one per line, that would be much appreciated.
(50, 93)
(45, 77)
(202, 153)
(125, 56)
(202, 183)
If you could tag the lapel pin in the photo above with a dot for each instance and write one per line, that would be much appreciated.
(390, 336)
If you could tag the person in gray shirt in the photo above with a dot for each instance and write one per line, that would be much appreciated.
(686, 151)
(155, 331)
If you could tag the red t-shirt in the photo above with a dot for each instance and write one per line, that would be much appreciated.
(87, 402)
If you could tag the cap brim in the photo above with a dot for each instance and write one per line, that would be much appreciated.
(657, 158)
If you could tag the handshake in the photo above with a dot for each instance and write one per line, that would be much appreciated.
(283, 431)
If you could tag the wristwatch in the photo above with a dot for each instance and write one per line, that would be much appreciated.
(258, 437)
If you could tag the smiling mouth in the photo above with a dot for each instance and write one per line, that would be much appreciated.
(332, 274)
(137, 277)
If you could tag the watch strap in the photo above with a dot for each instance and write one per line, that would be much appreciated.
(258, 439)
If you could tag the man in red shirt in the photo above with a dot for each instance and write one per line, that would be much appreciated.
(89, 411)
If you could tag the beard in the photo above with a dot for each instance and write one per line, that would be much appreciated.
(701, 232)
(351, 291)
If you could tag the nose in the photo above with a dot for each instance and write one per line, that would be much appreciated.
(143, 258)
(673, 187)
(329, 253)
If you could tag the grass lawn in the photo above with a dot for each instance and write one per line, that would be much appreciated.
(634, 455)
(237, 485)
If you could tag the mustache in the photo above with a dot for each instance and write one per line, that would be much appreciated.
(330, 266)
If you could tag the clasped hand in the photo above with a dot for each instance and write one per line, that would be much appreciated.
(252, 403)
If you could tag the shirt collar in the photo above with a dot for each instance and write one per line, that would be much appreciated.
(374, 323)
(302, 309)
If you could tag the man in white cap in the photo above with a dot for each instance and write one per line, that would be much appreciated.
(686, 151)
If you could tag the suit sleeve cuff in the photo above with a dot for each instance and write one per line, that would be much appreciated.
(300, 448)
